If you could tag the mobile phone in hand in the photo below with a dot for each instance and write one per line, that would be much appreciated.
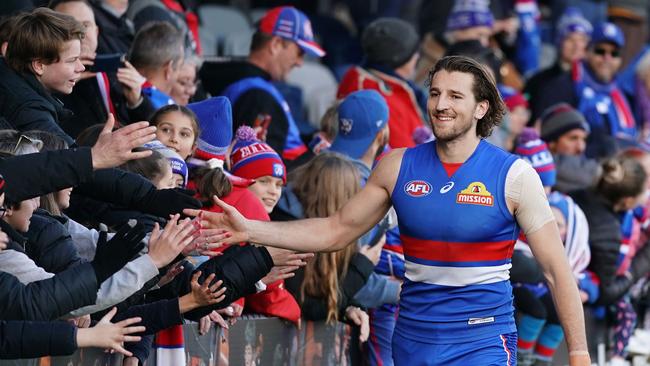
(107, 63)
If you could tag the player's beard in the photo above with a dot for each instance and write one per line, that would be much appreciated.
(460, 127)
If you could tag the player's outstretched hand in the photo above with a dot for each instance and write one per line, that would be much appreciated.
(361, 319)
(234, 223)
(110, 335)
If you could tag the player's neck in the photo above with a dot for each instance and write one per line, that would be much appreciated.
(457, 150)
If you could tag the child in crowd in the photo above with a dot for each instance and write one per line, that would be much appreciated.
(177, 128)
(253, 159)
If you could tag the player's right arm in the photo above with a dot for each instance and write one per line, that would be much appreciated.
(354, 219)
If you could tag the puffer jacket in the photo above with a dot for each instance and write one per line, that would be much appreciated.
(50, 244)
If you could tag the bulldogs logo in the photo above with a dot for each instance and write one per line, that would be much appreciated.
(278, 170)
(345, 125)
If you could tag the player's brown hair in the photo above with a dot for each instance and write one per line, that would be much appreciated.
(484, 89)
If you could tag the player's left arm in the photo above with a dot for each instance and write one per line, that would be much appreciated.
(536, 220)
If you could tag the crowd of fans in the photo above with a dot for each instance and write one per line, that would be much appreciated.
(115, 123)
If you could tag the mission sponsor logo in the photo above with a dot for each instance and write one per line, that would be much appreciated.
(417, 188)
(475, 194)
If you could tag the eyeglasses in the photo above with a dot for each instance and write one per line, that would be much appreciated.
(603, 51)
(3, 210)
(36, 143)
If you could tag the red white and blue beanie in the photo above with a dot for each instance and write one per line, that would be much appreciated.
(533, 150)
(215, 120)
(251, 158)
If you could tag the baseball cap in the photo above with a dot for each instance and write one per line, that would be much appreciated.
(290, 23)
(608, 32)
(362, 115)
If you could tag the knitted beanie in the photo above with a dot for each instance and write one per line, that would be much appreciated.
(559, 119)
(469, 14)
(390, 42)
(570, 22)
(512, 98)
(251, 158)
(533, 150)
(215, 120)
(176, 161)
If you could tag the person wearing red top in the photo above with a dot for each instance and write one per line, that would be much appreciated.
(390, 47)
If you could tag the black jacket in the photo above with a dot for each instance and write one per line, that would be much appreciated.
(217, 76)
(90, 203)
(315, 308)
(239, 267)
(87, 104)
(604, 241)
(50, 245)
(25, 339)
(115, 33)
(46, 299)
(34, 175)
(27, 105)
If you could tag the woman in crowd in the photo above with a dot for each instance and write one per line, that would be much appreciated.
(327, 285)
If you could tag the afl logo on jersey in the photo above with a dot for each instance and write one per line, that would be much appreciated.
(417, 188)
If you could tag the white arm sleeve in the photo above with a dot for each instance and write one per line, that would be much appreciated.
(524, 189)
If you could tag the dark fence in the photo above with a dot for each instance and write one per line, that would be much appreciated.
(251, 341)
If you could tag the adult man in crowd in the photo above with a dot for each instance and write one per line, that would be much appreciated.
(283, 37)
(390, 47)
(592, 89)
(158, 53)
(573, 33)
(460, 203)
(117, 30)
(565, 131)
(97, 94)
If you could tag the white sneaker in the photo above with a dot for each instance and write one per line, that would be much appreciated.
(637, 345)
(618, 362)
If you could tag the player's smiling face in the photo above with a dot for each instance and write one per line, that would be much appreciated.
(452, 107)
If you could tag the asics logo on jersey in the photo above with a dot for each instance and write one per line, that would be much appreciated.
(417, 188)
(447, 187)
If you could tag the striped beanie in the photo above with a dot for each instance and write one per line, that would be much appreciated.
(215, 121)
(251, 158)
(469, 14)
(176, 161)
(533, 150)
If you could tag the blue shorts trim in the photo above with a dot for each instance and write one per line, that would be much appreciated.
(498, 350)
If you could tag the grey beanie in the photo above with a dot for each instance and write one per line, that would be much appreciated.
(560, 119)
(390, 42)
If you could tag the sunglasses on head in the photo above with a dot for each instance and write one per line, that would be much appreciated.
(38, 144)
(602, 52)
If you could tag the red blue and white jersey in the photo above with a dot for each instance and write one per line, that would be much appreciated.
(458, 237)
